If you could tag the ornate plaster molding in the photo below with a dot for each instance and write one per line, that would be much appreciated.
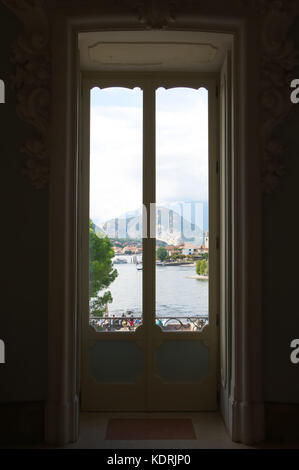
(279, 58)
(154, 14)
(31, 82)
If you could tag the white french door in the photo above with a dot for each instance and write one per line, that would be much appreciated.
(161, 354)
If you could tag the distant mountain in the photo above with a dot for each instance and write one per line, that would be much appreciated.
(171, 227)
(99, 232)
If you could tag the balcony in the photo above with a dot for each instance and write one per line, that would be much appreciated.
(131, 323)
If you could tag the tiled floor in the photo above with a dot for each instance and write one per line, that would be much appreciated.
(209, 429)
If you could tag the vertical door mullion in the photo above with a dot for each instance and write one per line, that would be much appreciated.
(149, 241)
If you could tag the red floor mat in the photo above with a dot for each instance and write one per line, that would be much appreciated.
(156, 428)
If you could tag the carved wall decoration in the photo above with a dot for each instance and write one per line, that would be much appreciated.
(154, 14)
(31, 82)
(278, 60)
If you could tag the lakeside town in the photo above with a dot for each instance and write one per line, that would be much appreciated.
(181, 290)
(171, 253)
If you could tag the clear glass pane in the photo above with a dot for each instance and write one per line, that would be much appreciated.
(115, 280)
(182, 230)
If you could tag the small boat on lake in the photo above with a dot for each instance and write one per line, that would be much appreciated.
(120, 261)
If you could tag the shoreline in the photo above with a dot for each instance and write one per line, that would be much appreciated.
(201, 277)
(182, 264)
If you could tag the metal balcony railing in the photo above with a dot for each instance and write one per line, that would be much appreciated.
(166, 323)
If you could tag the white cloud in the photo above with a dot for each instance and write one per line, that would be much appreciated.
(116, 161)
(182, 156)
(116, 154)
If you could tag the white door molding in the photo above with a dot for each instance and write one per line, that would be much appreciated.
(242, 401)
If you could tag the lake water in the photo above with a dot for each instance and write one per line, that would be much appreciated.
(176, 294)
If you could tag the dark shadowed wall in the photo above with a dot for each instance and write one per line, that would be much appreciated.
(24, 259)
(281, 267)
(24, 249)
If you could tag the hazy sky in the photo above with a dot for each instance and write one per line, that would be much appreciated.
(116, 149)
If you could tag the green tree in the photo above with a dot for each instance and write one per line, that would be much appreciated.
(202, 267)
(198, 264)
(101, 271)
(162, 253)
(205, 267)
(98, 304)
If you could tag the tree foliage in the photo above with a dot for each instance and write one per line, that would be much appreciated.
(162, 253)
(101, 271)
(98, 304)
(202, 267)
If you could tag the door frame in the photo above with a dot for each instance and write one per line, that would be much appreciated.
(154, 392)
(242, 400)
